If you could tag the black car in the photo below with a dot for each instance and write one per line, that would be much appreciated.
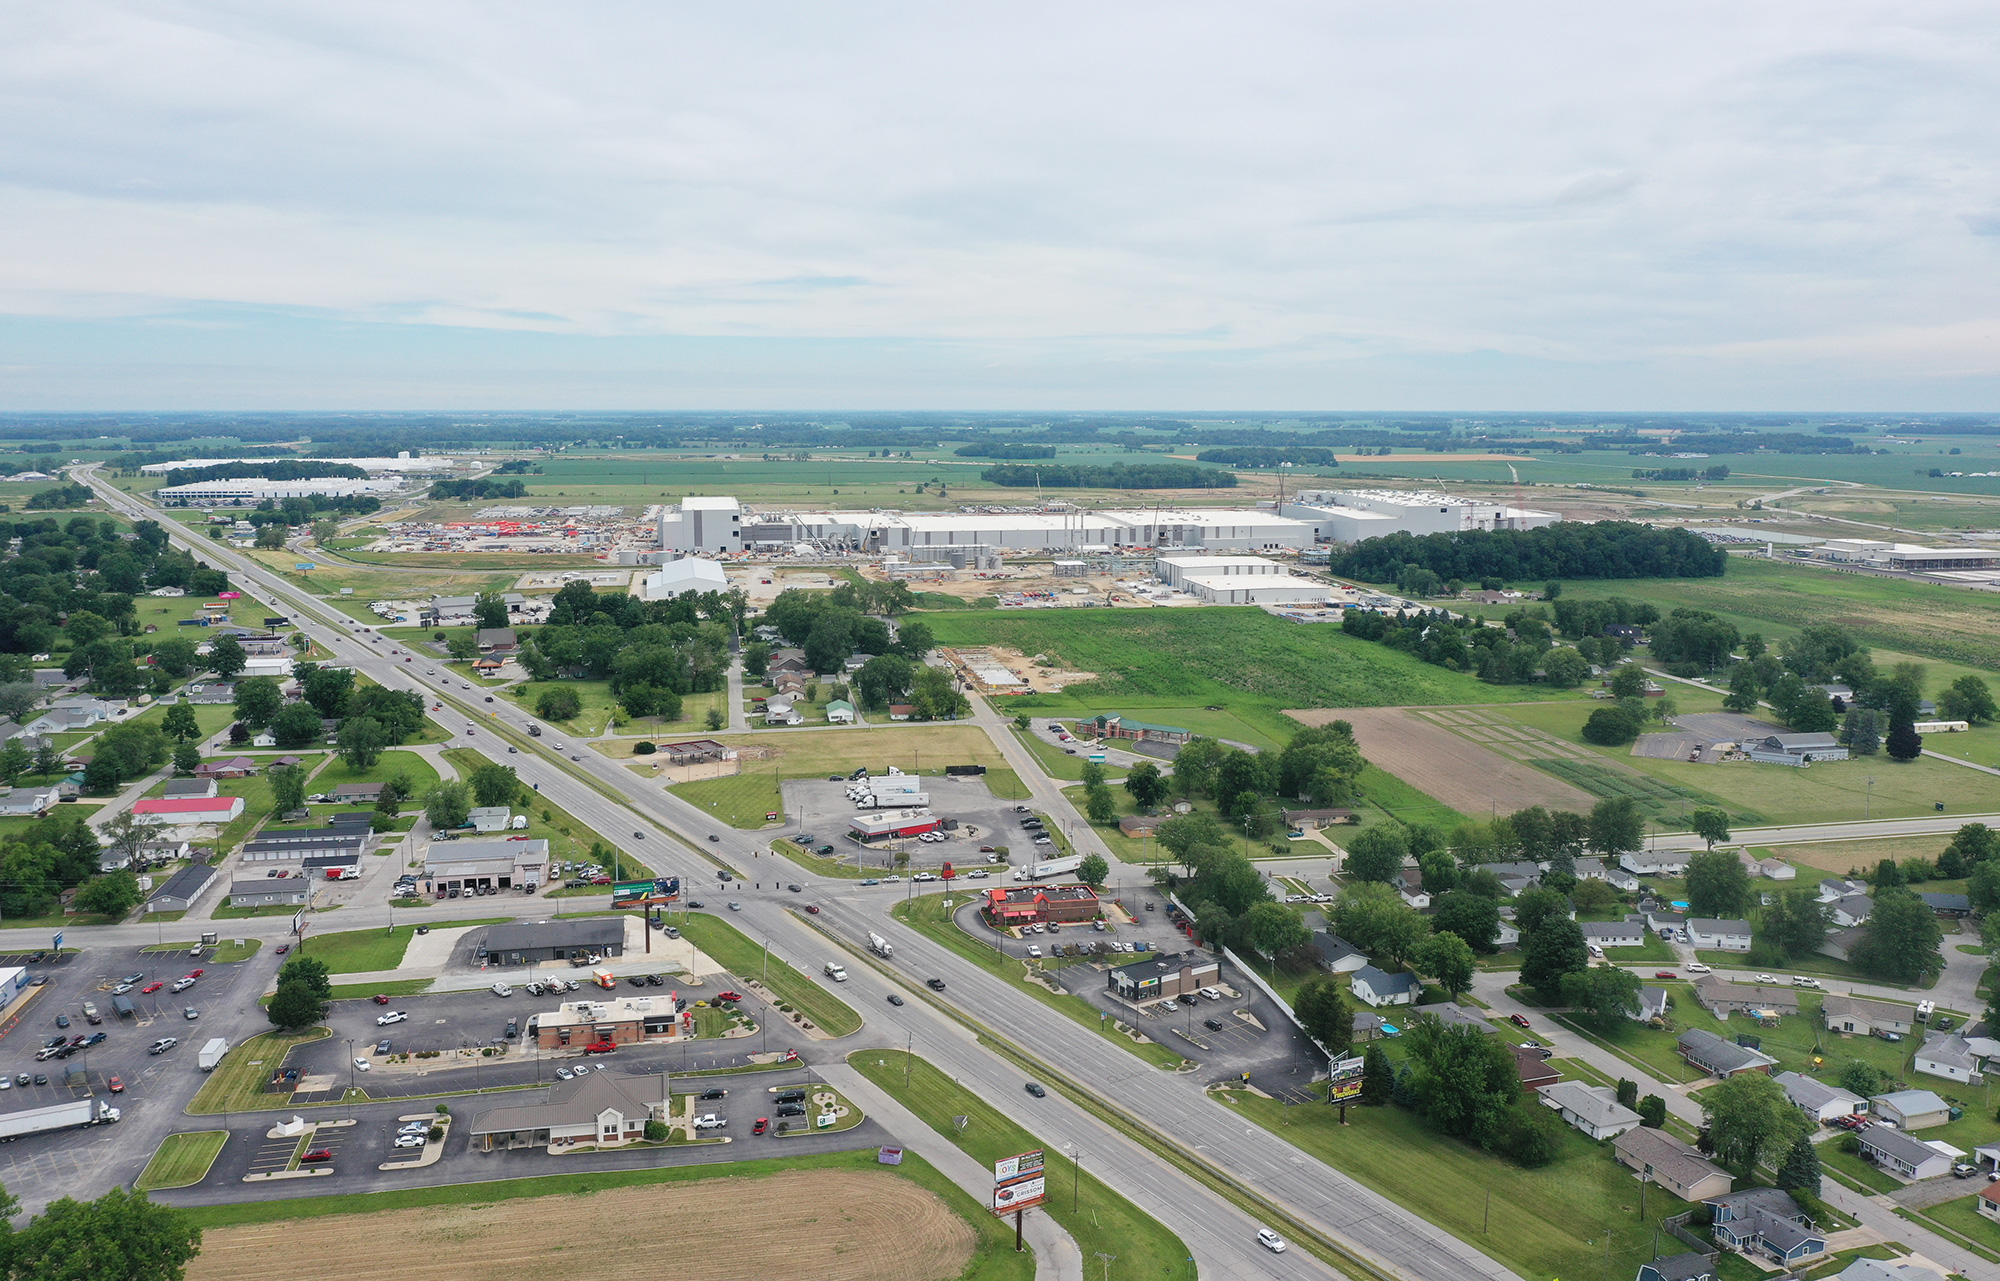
(824, 849)
(1035, 1088)
(696, 904)
(894, 999)
(1213, 1025)
(791, 1109)
(62, 1020)
(54, 1041)
(706, 1095)
(656, 980)
(713, 837)
(636, 981)
(640, 836)
(795, 889)
(836, 778)
(41, 1078)
(792, 1096)
(935, 985)
(1185, 998)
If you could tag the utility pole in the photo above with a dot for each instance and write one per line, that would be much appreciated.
(1107, 1263)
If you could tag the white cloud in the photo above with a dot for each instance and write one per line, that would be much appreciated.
(1575, 198)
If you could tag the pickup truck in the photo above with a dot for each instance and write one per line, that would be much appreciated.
(90, 1013)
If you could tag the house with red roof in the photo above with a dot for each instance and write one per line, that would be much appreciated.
(181, 810)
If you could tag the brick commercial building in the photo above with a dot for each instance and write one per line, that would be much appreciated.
(1032, 904)
(1164, 977)
(624, 1021)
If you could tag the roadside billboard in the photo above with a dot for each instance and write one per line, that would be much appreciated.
(1017, 1182)
(1346, 1081)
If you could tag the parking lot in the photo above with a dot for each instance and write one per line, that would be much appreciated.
(819, 808)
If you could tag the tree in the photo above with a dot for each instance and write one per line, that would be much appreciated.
(325, 531)
(124, 835)
(1863, 1078)
(1093, 871)
(447, 805)
(1800, 1172)
(296, 725)
(271, 537)
(494, 785)
(1628, 1094)
(1439, 870)
(557, 704)
(1611, 727)
(1146, 785)
(1862, 731)
(1652, 1112)
(102, 775)
(1565, 668)
(1550, 952)
(1710, 824)
(1605, 992)
(288, 788)
(1617, 826)
(463, 647)
(1374, 919)
(1464, 1080)
(180, 723)
(489, 609)
(1796, 922)
(226, 657)
(187, 758)
(1447, 959)
(1323, 1011)
(1378, 1079)
(121, 1236)
(1718, 885)
(111, 894)
(1903, 743)
(1967, 699)
(1901, 940)
(1377, 853)
(15, 759)
(362, 739)
(1534, 908)
(1743, 690)
(1749, 1119)
(258, 701)
(1274, 928)
(1098, 805)
(1471, 917)
(1982, 888)
(16, 697)
(1627, 681)
(1594, 895)
(296, 1005)
(714, 719)
(48, 761)
(1195, 766)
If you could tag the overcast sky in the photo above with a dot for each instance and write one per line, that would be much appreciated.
(859, 205)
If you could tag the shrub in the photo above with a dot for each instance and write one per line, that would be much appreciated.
(443, 1110)
(435, 1133)
(656, 1131)
(643, 748)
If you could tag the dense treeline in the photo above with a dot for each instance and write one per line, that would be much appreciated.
(1781, 442)
(61, 496)
(1116, 476)
(1005, 451)
(277, 469)
(483, 488)
(1572, 549)
(1270, 456)
(1718, 472)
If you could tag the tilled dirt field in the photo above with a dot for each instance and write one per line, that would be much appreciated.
(1462, 774)
(832, 1225)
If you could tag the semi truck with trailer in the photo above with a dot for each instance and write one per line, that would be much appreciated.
(1054, 867)
(892, 800)
(57, 1116)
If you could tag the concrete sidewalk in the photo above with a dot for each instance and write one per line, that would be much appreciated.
(1057, 1257)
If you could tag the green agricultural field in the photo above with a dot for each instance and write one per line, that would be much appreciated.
(1101, 1221)
(1244, 661)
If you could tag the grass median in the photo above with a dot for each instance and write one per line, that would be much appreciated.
(182, 1160)
(237, 1083)
(365, 951)
(1101, 1221)
(745, 958)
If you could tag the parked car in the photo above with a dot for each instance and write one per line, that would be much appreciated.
(360, 1064)
(1519, 1020)
(393, 1016)
(410, 1140)
(710, 1121)
(116, 1085)
(379, 999)
(763, 1124)
(316, 1156)
(707, 1095)
(600, 1047)
(1665, 974)
(564, 1074)
(151, 988)
(1696, 967)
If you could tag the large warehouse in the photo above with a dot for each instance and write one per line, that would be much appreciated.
(255, 489)
(1350, 515)
(1237, 580)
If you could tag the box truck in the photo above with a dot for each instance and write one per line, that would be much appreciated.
(1054, 867)
(211, 1054)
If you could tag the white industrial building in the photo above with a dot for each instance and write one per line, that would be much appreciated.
(703, 525)
(677, 577)
(1350, 515)
(401, 463)
(255, 489)
(1236, 580)
(1908, 557)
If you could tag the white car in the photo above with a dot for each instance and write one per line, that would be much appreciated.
(181, 985)
(501, 989)
(361, 1065)
(710, 1121)
(121, 989)
(1034, 950)
(416, 1127)
(393, 1016)
(1696, 967)
(1270, 1241)
(564, 1074)
(1800, 980)
(410, 1140)
(1767, 978)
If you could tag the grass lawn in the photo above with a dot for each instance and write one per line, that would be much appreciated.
(1961, 1221)
(1101, 1221)
(740, 802)
(692, 722)
(212, 717)
(237, 1083)
(257, 800)
(363, 951)
(182, 1160)
(391, 987)
(927, 914)
(226, 912)
(595, 698)
(744, 957)
(423, 776)
(1549, 1222)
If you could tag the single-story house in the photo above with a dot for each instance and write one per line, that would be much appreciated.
(1860, 1015)
(489, 818)
(1953, 905)
(1138, 825)
(1614, 933)
(788, 660)
(902, 711)
(1378, 988)
(1818, 1100)
(193, 809)
(1911, 1109)
(1670, 1163)
(779, 710)
(1410, 885)
(1535, 1070)
(1367, 1026)
(182, 789)
(1299, 820)
(1775, 869)
(1652, 1004)
(496, 640)
(1834, 888)
(1655, 862)
(1765, 1221)
(1620, 879)
(1680, 1267)
(357, 793)
(1886, 1270)
(1337, 954)
(1593, 1109)
(28, 802)
(183, 890)
(234, 767)
(1719, 935)
(1902, 1154)
(1842, 944)
(1851, 909)
(603, 1109)
(1722, 998)
(1988, 1201)
(1720, 1058)
(1947, 1054)
(839, 712)
(1590, 869)
(277, 892)
(1452, 1014)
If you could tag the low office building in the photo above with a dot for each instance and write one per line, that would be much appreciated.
(528, 942)
(1591, 1109)
(1663, 1159)
(461, 865)
(627, 1020)
(1911, 1109)
(603, 1109)
(1040, 904)
(1794, 749)
(183, 890)
(272, 892)
(696, 751)
(1902, 1154)
(1118, 725)
(1164, 977)
(1720, 1058)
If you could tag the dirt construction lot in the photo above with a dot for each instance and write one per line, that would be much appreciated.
(1462, 774)
(840, 1225)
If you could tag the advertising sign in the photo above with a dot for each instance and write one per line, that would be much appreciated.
(1017, 1167)
(1018, 1182)
(1346, 1082)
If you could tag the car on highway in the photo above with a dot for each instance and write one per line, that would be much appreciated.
(150, 988)
(393, 1016)
(812, 909)
(1035, 1088)
(1767, 978)
(795, 888)
(894, 999)
(935, 985)
(1270, 1241)
(638, 836)
(162, 1045)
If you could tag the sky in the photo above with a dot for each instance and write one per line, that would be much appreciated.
(1158, 206)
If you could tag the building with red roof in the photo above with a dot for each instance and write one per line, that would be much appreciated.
(171, 811)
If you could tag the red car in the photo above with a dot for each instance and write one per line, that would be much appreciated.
(600, 1047)
(1519, 1020)
(1665, 974)
(728, 996)
(283, 948)
(313, 1158)
(195, 974)
(380, 1000)
(763, 1124)
(812, 909)
(150, 988)
(115, 1085)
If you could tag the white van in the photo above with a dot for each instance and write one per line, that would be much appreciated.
(1211, 993)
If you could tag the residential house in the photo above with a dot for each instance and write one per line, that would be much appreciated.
(1902, 1154)
(210, 694)
(1337, 954)
(1665, 1160)
(1593, 1109)
(1515, 876)
(1841, 945)
(1818, 1100)
(1911, 1109)
(1665, 923)
(1410, 885)
(1988, 1201)
(1834, 888)
(1765, 1221)
(1655, 862)
(840, 712)
(264, 738)
(902, 711)
(1889, 1269)
(1652, 1004)
(496, 640)
(1720, 1058)
(1590, 869)
(1722, 998)
(1535, 1070)
(166, 813)
(1774, 869)
(1863, 1017)
(282, 762)
(1367, 1026)
(63, 721)
(1719, 936)
(780, 710)
(183, 890)
(788, 660)
(855, 662)
(1947, 1054)
(1378, 988)
(1452, 1014)
(1851, 909)
(28, 802)
(1138, 825)
(490, 818)
(1679, 1267)
(1952, 905)
(357, 793)
(1620, 879)
(181, 789)
(234, 767)
(1626, 933)
(599, 1109)
(1300, 820)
